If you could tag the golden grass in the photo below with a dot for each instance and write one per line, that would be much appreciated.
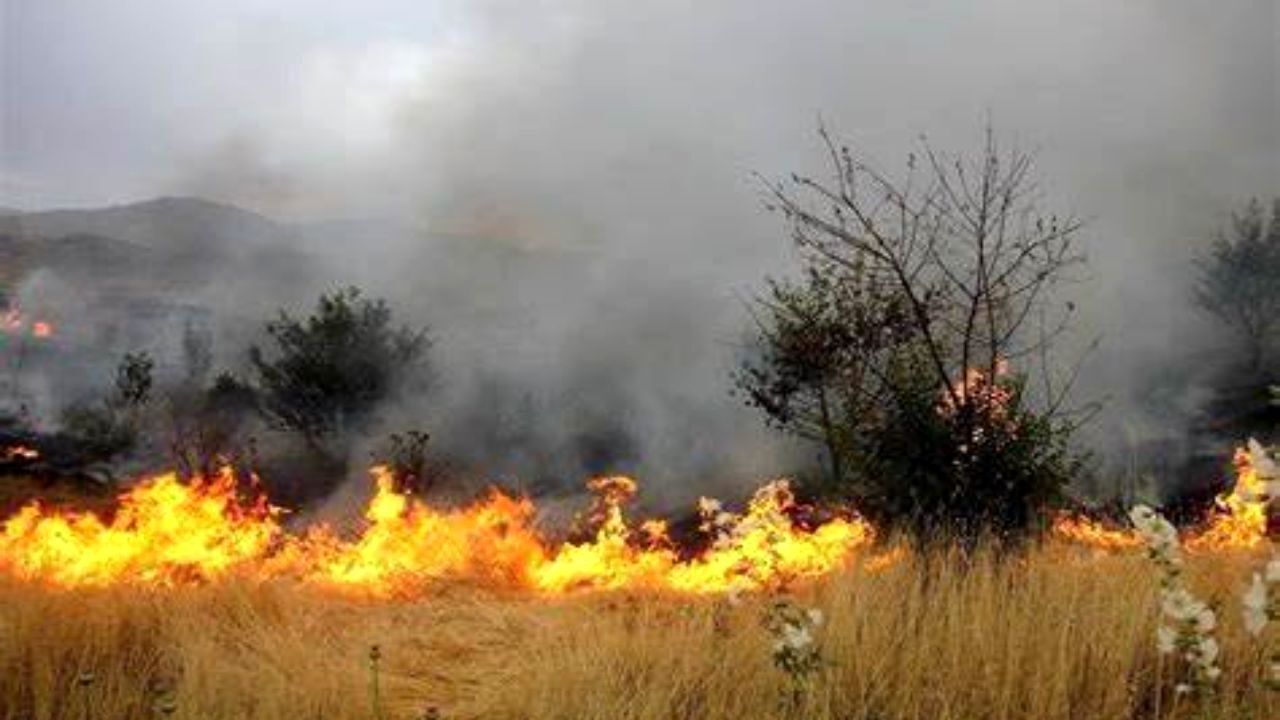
(1056, 635)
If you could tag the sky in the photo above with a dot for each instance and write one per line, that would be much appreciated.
(635, 130)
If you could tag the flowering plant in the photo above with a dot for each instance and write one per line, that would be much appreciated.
(1187, 623)
(795, 650)
(1261, 601)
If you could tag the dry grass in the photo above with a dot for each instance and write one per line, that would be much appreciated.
(1058, 635)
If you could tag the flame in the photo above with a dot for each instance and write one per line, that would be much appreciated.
(166, 533)
(1240, 521)
(406, 542)
(980, 389)
(1082, 530)
(13, 322)
(18, 452)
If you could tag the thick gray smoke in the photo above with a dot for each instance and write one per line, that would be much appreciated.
(564, 189)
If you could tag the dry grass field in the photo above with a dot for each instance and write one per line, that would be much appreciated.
(1062, 633)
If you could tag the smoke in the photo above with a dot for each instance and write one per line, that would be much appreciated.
(569, 190)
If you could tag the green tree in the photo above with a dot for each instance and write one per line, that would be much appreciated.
(326, 374)
(812, 365)
(110, 426)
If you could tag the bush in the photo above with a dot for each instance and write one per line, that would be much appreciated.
(109, 427)
(329, 372)
(986, 468)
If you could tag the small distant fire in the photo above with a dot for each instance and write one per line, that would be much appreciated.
(18, 452)
(14, 323)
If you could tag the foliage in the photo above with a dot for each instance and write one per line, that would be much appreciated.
(795, 650)
(817, 346)
(918, 294)
(134, 380)
(1239, 285)
(204, 424)
(989, 466)
(405, 454)
(109, 427)
(328, 372)
(1239, 281)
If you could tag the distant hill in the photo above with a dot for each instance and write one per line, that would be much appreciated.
(171, 223)
(167, 243)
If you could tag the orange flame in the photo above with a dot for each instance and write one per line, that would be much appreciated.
(1082, 530)
(13, 321)
(1239, 523)
(1241, 519)
(167, 533)
(19, 452)
(164, 533)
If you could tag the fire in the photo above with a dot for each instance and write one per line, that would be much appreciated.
(14, 322)
(1239, 523)
(982, 390)
(406, 542)
(164, 533)
(18, 452)
(167, 533)
(1082, 530)
(1241, 519)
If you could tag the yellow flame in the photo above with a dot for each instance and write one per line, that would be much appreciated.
(1241, 518)
(167, 532)
(1082, 530)
(164, 533)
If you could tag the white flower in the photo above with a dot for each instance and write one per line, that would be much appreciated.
(1180, 605)
(1213, 673)
(815, 617)
(1182, 688)
(1207, 651)
(1141, 515)
(796, 637)
(1166, 639)
(1205, 621)
(1255, 606)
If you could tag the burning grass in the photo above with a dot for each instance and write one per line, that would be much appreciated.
(195, 601)
(1059, 634)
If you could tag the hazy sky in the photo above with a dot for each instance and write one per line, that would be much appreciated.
(632, 128)
(111, 100)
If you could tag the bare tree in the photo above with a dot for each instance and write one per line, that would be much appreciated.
(962, 243)
(926, 307)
